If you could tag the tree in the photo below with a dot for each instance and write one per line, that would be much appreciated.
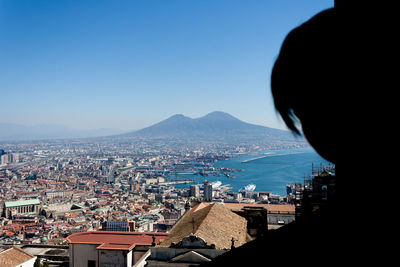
(37, 263)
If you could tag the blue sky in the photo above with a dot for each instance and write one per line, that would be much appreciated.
(129, 64)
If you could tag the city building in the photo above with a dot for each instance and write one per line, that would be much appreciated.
(69, 182)
(277, 215)
(214, 223)
(104, 248)
(194, 191)
(6, 158)
(190, 251)
(13, 208)
(203, 233)
(317, 191)
(207, 191)
(119, 226)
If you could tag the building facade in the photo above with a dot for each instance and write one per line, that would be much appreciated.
(194, 191)
(7, 158)
(104, 248)
(20, 207)
(207, 191)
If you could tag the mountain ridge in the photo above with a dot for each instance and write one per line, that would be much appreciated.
(215, 125)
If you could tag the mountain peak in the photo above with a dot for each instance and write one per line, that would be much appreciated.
(219, 115)
(177, 117)
(214, 126)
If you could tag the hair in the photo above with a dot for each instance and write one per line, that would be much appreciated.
(305, 71)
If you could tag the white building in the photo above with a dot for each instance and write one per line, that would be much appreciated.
(110, 248)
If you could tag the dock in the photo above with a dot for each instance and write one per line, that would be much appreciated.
(249, 160)
(178, 181)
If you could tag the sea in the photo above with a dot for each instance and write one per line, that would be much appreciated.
(270, 171)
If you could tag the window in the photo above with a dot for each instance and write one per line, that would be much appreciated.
(91, 263)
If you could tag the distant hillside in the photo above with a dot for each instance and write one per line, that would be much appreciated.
(213, 126)
(16, 132)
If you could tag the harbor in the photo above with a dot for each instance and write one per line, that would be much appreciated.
(269, 173)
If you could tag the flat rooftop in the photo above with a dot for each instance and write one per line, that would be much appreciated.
(46, 251)
(116, 240)
(10, 204)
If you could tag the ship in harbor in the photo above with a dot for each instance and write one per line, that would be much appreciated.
(228, 175)
(216, 184)
(249, 187)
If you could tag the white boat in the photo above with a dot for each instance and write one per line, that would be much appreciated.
(216, 184)
(250, 187)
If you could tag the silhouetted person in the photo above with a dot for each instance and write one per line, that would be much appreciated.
(323, 83)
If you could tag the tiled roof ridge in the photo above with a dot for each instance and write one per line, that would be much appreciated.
(188, 223)
(208, 228)
(204, 207)
(14, 256)
(23, 251)
(206, 211)
(213, 223)
(211, 206)
(200, 206)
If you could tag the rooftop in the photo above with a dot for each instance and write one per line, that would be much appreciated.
(215, 223)
(10, 204)
(116, 240)
(14, 257)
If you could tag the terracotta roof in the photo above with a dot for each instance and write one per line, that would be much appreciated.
(14, 257)
(215, 223)
(115, 240)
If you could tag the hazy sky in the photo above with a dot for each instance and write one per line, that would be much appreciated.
(129, 64)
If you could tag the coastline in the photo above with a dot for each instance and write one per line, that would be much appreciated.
(270, 173)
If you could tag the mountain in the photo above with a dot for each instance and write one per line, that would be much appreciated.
(213, 126)
(216, 126)
(16, 132)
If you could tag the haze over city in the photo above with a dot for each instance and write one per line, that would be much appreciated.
(130, 64)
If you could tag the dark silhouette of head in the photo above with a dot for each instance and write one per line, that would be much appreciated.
(326, 85)
(315, 85)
